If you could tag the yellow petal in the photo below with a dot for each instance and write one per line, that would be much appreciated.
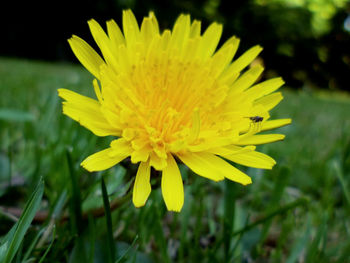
(102, 160)
(247, 79)
(213, 167)
(221, 59)
(97, 90)
(115, 34)
(245, 59)
(195, 129)
(230, 74)
(140, 155)
(224, 55)
(120, 147)
(233, 174)
(199, 163)
(273, 124)
(234, 41)
(212, 143)
(157, 162)
(87, 112)
(172, 186)
(232, 149)
(130, 28)
(147, 30)
(190, 49)
(264, 88)
(112, 116)
(86, 55)
(181, 31)
(165, 39)
(154, 22)
(260, 139)
(270, 101)
(210, 40)
(142, 186)
(123, 58)
(195, 30)
(103, 42)
(252, 159)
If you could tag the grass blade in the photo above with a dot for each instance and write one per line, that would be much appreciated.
(281, 210)
(300, 244)
(32, 245)
(92, 238)
(229, 215)
(281, 183)
(49, 247)
(75, 197)
(313, 249)
(107, 208)
(121, 258)
(159, 234)
(3, 249)
(15, 237)
(339, 174)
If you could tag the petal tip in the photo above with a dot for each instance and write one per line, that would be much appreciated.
(177, 210)
(85, 165)
(247, 181)
(91, 20)
(139, 204)
(175, 207)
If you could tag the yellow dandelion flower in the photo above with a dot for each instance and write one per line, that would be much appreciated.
(170, 94)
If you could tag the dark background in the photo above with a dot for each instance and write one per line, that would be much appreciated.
(307, 54)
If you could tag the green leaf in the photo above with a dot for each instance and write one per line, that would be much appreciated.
(3, 249)
(15, 236)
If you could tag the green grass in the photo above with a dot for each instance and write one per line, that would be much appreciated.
(297, 212)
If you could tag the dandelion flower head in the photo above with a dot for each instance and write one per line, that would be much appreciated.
(173, 95)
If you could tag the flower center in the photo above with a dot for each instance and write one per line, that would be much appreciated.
(167, 103)
(169, 92)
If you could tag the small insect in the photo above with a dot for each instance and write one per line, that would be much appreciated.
(255, 120)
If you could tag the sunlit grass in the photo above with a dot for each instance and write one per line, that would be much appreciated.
(297, 210)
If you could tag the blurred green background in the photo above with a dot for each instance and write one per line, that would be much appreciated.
(305, 41)
(297, 212)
